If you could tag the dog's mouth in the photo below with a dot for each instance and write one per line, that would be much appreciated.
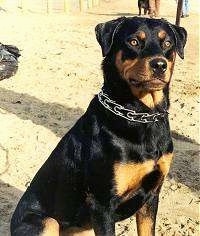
(155, 82)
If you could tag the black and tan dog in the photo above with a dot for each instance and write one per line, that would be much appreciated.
(112, 163)
(8, 60)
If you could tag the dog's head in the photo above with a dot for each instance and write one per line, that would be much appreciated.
(8, 61)
(143, 50)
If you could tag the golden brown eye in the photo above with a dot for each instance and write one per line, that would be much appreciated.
(134, 42)
(167, 44)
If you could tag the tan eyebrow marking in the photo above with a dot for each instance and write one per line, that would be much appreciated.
(162, 34)
(141, 35)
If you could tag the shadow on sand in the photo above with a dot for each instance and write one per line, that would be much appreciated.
(59, 118)
(9, 196)
(56, 117)
(185, 167)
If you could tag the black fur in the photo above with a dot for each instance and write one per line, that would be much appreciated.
(76, 185)
(143, 4)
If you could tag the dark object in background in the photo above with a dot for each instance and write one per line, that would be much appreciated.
(8, 60)
(143, 4)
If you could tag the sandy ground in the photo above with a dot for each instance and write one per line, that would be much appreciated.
(59, 73)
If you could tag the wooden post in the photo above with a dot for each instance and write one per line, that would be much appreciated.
(66, 6)
(81, 5)
(47, 7)
(178, 19)
(90, 2)
(95, 3)
(179, 12)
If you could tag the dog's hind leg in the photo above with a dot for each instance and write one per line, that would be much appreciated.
(34, 226)
(50, 227)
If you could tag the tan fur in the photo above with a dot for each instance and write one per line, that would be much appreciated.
(143, 218)
(157, 97)
(147, 99)
(139, 69)
(162, 34)
(144, 225)
(141, 35)
(123, 67)
(150, 99)
(128, 176)
(51, 227)
(164, 163)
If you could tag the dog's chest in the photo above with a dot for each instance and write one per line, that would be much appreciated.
(128, 177)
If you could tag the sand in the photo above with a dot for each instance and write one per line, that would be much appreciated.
(59, 73)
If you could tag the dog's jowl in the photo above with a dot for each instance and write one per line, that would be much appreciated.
(113, 162)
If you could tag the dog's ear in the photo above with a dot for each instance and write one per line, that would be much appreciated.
(180, 35)
(105, 33)
(13, 50)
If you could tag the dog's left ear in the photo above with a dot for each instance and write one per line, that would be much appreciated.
(105, 33)
(180, 35)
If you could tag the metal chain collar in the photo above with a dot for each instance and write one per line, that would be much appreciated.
(128, 114)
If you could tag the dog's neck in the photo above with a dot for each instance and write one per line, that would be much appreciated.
(119, 91)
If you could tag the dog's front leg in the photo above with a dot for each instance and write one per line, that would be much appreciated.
(102, 218)
(146, 217)
(103, 223)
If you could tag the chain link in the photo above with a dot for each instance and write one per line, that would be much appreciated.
(128, 114)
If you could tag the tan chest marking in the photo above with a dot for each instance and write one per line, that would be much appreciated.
(128, 176)
(152, 99)
(164, 163)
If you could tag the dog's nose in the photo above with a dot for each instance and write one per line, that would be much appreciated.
(158, 65)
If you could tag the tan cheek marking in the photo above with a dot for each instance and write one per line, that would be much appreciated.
(137, 69)
(123, 67)
(118, 61)
(164, 163)
(51, 227)
(129, 176)
(162, 34)
(129, 65)
(170, 67)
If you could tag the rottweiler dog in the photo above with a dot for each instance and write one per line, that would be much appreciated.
(143, 4)
(8, 60)
(113, 161)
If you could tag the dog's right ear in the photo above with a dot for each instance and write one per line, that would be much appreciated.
(105, 33)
